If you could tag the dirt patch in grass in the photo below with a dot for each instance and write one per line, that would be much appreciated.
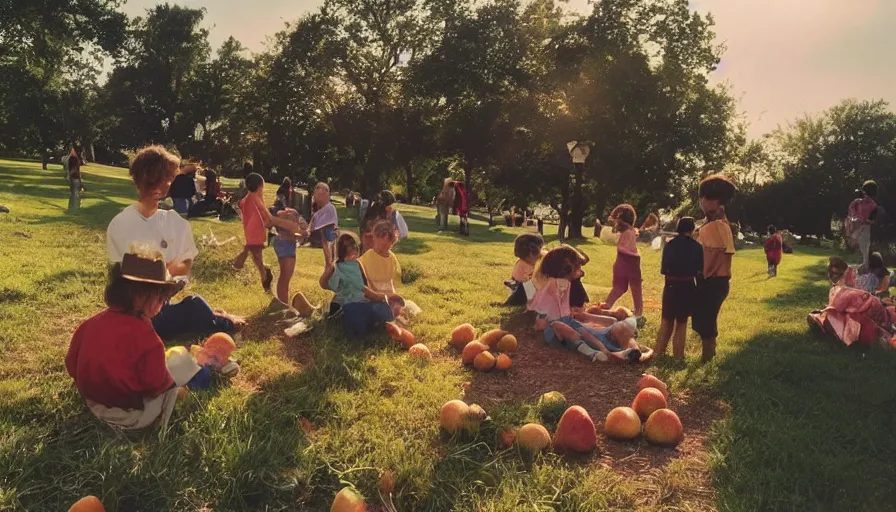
(598, 387)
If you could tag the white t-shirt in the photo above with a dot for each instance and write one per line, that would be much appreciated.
(167, 231)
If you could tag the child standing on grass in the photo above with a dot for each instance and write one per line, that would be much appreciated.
(682, 263)
(859, 218)
(285, 249)
(256, 222)
(718, 251)
(627, 269)
(116, 358)
(363, 308)
(528, 248)
(325, 219)
(774, 249)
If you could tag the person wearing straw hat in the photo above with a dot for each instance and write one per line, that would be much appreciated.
(116, 358)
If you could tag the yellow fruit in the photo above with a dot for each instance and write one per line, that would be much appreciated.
(647, 401)
(453, 415)
(491, 338)
(507, 343)
(663, 428)
(649, 381)
(461, 335)
(420, 351)
(484, 361)
(503, 362)
(473, 349)
(347, 500)
(476, 413)
(533, 437)
(622, 424)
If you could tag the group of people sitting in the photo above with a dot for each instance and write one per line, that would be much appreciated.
(697, 269)
(195, 197)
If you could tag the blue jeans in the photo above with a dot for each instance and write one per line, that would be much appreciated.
(181, 205)
(192, 315)
(360, 318)
(603, 335)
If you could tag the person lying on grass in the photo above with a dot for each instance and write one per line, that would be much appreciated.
(116, 358)
(363, 309)
(559, 268)
(152, 171)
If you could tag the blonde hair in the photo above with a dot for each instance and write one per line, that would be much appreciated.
(152, 166)
(322, 185)
(384, 229)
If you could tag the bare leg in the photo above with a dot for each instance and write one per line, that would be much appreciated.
(662, 339)
(287, 268)
(568, 334)
(679, 339)
(637, 298)
(240, 259)
(598, 320)
(258, 260)
(615, 293)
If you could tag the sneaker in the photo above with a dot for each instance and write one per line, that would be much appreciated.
(268, 280)
(632, 354)
(600, 357)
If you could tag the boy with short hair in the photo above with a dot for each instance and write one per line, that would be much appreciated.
(256, 222)
(718, 251)
(528, 248)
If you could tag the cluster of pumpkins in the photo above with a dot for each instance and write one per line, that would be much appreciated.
(489, 352)
(661, 426)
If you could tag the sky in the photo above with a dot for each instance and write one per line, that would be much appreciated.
(783, 58)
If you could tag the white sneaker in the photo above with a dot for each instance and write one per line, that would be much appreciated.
(601, 357)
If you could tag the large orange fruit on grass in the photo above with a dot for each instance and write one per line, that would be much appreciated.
(622, 424)
(484, 361)
(407, 339)
(663, 428)
(503, 362)
(491, 338)
(507, 343)
(648, 401)
(453, 415)
(348, 500)
(420, 351)
(88, 504)
(649, 381)
(473, 349)
(575, 432)
(461, 335)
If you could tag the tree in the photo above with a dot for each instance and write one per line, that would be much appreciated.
(49, 55)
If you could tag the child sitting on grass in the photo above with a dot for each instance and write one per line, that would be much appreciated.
(383, 270)
(627, 269)
(256, 222)
(116, 358)
(559, 267)
(681, 264)
(363, 308)
(774, 249)
(528, 248)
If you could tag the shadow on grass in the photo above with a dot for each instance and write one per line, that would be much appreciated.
(811, 426)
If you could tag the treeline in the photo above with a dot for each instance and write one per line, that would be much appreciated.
(403, 93)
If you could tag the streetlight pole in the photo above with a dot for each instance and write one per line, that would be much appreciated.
(578, 151)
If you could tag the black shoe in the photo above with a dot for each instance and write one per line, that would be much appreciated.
(268, 280)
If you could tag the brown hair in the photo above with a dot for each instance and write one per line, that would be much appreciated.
(152, 166)
(560, 262)
(384, 228)
(625, 213)
(343, 244)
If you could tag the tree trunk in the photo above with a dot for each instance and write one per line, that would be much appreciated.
(468, 182)
(409, 192)
(576, 210)
(44, 160)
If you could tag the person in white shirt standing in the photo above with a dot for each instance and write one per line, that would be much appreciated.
(152, 171)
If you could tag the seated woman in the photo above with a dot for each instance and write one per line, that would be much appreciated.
(211, 203)
(116, 358)
(152, 172)
(183, 189)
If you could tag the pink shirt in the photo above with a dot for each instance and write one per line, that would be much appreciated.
(253, 221)
(627, 242)
(552, 299)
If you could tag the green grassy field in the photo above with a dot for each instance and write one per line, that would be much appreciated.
(794, 423)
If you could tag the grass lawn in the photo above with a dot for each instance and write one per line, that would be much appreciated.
(780, 421)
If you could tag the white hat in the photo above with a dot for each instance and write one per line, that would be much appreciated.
(181, 365)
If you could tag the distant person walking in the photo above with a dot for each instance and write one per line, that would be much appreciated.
(444, 203)
(73, 172)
